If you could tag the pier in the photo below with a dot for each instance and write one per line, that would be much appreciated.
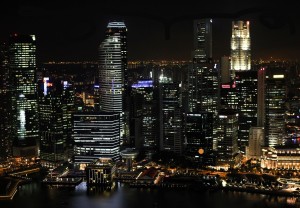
(62, 181)
(8, 188)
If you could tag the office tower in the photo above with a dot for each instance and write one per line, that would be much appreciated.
(225, 70)
(261, 76)
(113, 73)
(228, 91)
(22, 66)
(113, 68)
(256, 142)
(203, 79)
(135, 122)
(55, 119)
(170, 117)
(5, 105)
(276, 93)
(240, 46)
(143, 95)
(246, 89)
(202, 40)
(227, 135)
(198, 137)
(203, 75)
(96, 135)
(228, 96)
(68, 108)
(203, 88)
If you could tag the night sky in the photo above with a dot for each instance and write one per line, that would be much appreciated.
(72, 31)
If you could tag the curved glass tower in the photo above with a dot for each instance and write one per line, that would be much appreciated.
(113, 68)
(240, 46)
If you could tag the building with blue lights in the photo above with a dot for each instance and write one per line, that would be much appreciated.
(146, 108)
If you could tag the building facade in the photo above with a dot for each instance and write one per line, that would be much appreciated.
(275, 97)
(96, 135)
(198, 137)
(246, 89)
(143, 95)
(22, 66)
(240, 46)
(227, 136)
(56, 99)
(170, 117)
(5, 105)
(113, 81)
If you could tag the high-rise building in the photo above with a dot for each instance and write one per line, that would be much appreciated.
(113, 68)
(246, 89)
(198, 137)
(240, 46)
(202, 40)
(22, 66)
(55, 97)
(143, 94)
(5, 105)
(228, 96)
(227, 136)
(203, 75)
(170, 117)
(225, 70)
(261, 77)
(96, 135)
(275, 97)
(256, 142)
(203, 79)
(113, 81)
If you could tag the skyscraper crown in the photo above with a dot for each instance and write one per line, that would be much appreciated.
(116, 25)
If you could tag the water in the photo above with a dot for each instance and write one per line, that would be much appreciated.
(35, 195)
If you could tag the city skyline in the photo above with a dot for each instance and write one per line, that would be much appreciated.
(164, 98)
(73, 32)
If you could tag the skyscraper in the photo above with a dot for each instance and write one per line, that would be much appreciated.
(203, 79)
(240, 46)
(142, 92)
(113, 68)
(203, 76)
(5, 105)
(276, 93)
(22, 66)
(246, 89)
(227, 136)
(198, 133)
(202, 39)
(261, 77)
(54, 97)
(170, 117)
(113, 73)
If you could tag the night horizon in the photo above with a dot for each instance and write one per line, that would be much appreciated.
(73, 32)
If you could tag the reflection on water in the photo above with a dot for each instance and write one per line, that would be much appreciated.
(36, 195)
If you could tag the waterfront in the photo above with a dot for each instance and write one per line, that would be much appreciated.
(35, 195)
